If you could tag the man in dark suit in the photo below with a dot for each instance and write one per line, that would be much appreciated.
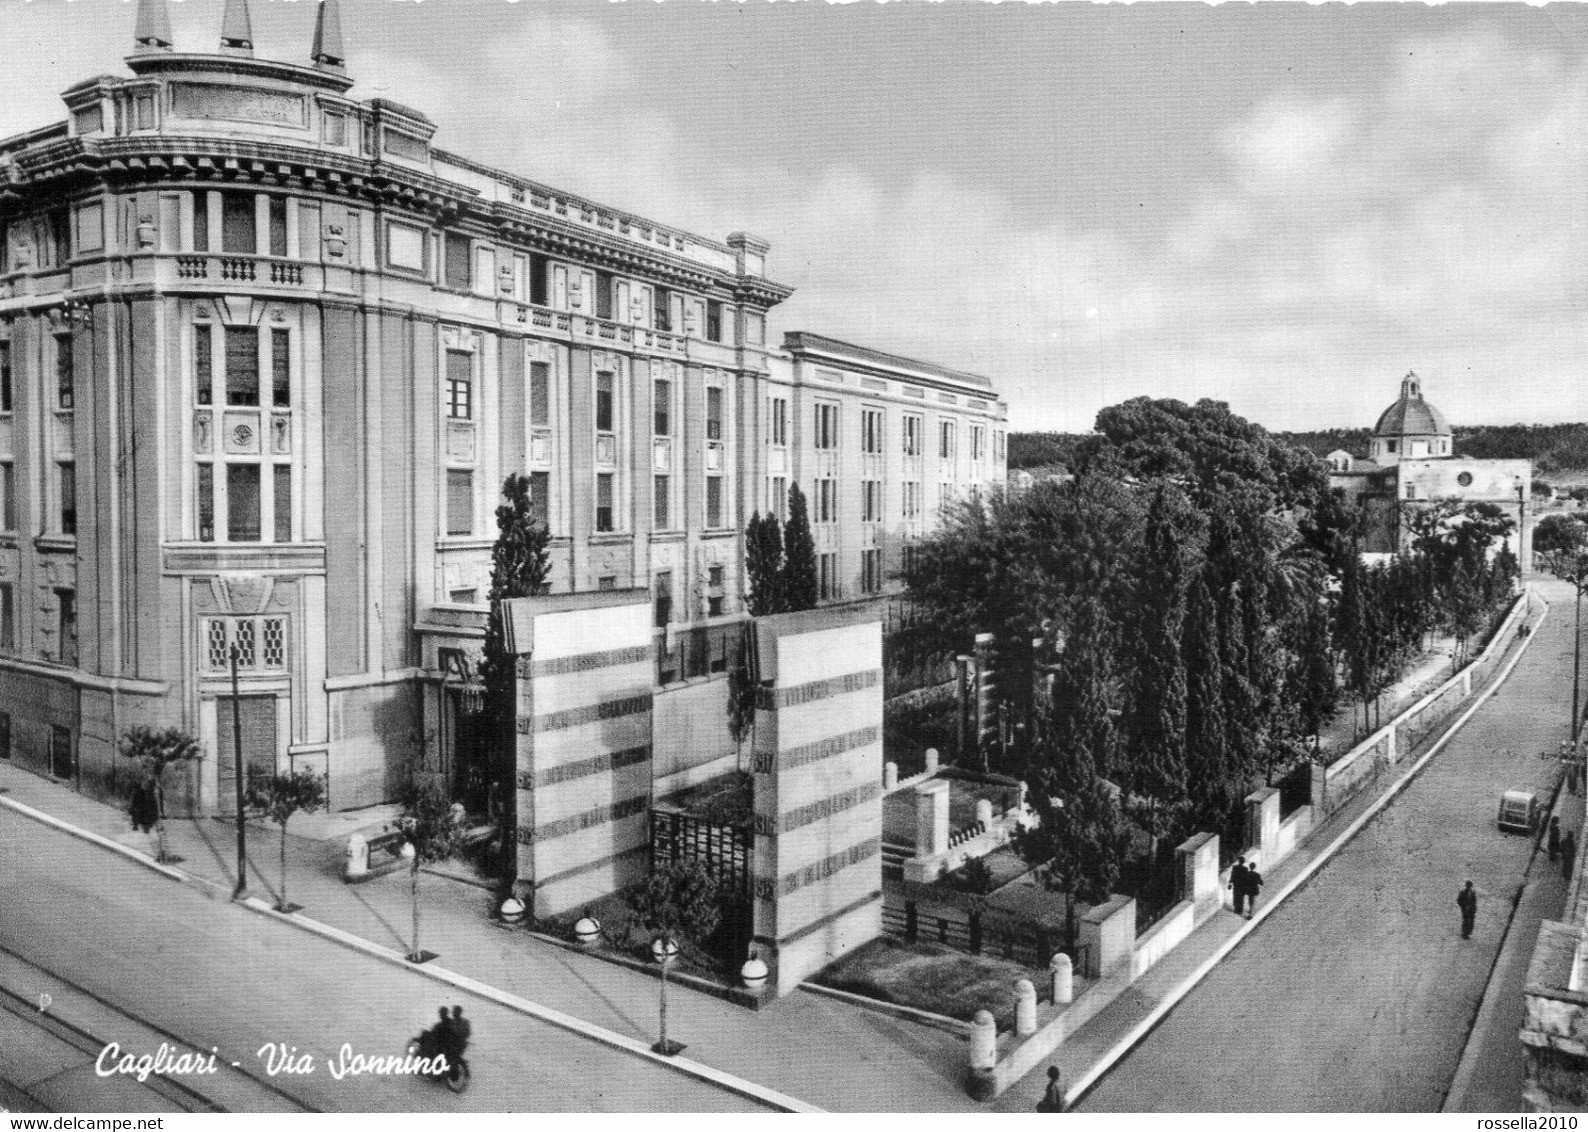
(1254, 884)
(1467, 901)
(1238, 884)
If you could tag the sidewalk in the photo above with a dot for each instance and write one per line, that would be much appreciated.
(862, 1060)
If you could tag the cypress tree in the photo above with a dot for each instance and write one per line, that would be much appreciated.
(763, 563)
(799, 555)
(1209, 769)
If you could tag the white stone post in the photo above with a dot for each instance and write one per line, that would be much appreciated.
(984, 813)
(1060, 970)
(356, 865)
(931, 760)
(1025, 1008)
(931, 818)
(983, 1042)
(890, 776)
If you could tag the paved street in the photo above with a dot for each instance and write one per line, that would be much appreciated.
(1364, 967)
(215, 974)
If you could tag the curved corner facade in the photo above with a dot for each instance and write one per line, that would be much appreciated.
(266, 355)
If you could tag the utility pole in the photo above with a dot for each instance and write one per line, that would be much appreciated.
(237, 774)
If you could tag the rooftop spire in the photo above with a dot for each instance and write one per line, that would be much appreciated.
(237, 31)
(153, 29)
(327, 51)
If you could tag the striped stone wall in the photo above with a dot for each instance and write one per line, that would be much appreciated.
(818, 789)
(583, 795)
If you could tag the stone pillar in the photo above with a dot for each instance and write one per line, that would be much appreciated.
(1199, 870)
(982, 1086)
(356, 865)
(931, 760)
(984, 813)
(1025, 1008)
(890, 776)
(1262, 823)
(1059, 970)
(1108, 933)
(963, 691)
(931, 818)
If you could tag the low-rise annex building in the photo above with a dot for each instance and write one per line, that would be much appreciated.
(267, 352)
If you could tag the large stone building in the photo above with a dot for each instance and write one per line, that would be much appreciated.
(267, 353)
(1411, 464)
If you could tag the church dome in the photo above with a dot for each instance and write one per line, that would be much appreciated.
(1411, 415)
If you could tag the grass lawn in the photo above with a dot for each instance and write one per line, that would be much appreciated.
(930, 976)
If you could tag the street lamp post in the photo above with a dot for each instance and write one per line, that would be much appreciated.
(237, 774)
(664, 950)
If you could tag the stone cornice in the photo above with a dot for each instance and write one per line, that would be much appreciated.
(230, 67)
(802, 343)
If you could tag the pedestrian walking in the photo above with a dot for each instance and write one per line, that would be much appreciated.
(1053, 1099)
(144, 807)
(1467, 901)
(1254, 883)
(1568, 854)
(1554, 839)
(1237, 884)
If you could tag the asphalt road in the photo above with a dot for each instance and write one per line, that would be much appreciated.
(1359, 993)
(138, 956)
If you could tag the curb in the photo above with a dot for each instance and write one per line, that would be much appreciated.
(102, 841)
(1169, 1002)
(908, 1013)
(546, 1014)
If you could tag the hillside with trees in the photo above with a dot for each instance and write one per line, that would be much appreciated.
(1559, 450)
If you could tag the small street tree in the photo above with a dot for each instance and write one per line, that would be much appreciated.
(678, 903)
(799, 555)
(432, 835)
(520, 566)
(276, 797)
(155, 751)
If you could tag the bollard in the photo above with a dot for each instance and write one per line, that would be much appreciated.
(754, 972)
(1062, 973)
(984, 813)
(983, 1056)
(890, 776)
(512, 910)
(587, 931)
(931, 760)
(1025, 1008)
(356, 865)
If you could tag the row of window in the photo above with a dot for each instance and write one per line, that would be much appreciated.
(825, 432)
(65, 389)
(65, 497)
(65, 624)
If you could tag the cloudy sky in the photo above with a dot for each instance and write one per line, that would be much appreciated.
(1280, 206)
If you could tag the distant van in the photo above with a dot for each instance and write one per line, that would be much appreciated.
(1519, 811)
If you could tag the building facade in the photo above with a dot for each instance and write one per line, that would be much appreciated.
(266, 355)
(1411, 464)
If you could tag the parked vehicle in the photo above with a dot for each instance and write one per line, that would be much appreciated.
(1520, 811)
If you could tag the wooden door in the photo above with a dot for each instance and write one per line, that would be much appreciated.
(258, 717)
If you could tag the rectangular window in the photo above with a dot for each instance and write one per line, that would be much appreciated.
(282, 492)
(540, 497)
(604, 517)
(280, 369)
(780, 421)
(607, 582)
(206, 502)
(455, 261)
(945, 448)
(998, 446)
(871, 501)
(63, 371)
(8, 496)
(662, 605)
(871, 570)
(278, 226)
(826, 501)
(67, 626)
(826, 576)
(662, 502)
(538, 270)
(8, 618)
(201, 222)
(540, 394)
(713, 321)
(912, 436)
(5, 377)
(663, 408)
(946, 494)
(713, 412)
(203, 365)
(238, 218)
(663, 302)
(826, 426)
(603, 295)
(912, 501)
(871, 430)
(713, 501)
(143, 112)
(405, 246)
(60, 233)
(60, 752)
(978, 442)
(242, 365)
(68, 480)
(777, 498)
(603, 405)
(242, 502)
(460, 384)
(460, 501)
